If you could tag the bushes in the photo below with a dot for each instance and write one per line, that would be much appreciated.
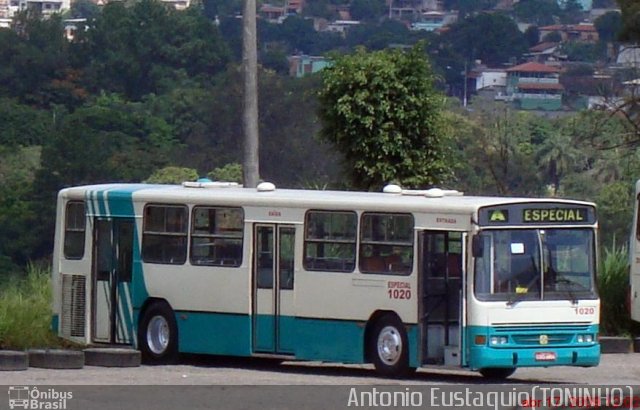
(25, 310)
(613, 286)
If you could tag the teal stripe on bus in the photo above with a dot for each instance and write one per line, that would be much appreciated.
(214, 333)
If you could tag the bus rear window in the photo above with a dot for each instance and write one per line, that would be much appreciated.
(216, 236)
(164, 238)
(330, 241)
(74, 230)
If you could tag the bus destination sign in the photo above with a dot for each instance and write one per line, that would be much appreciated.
(538, 213)
(533, 215)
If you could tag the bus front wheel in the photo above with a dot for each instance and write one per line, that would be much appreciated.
(388, 347)
(497, 372)
(158, 335)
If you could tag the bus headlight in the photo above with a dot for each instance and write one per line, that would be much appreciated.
(497, 340)
(585, 338)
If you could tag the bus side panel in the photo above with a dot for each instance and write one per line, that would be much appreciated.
(340, 340)
(329, 340)
(214, 333)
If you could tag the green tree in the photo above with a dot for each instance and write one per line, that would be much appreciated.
(84, 9)
(227, 173)
(172, 175)
(381, 111)
(111, 140)
(18, 166)
(630, 20)
(532, 35)
(34, 55)
(609, 26)
(538, 12)
(378, 36)
(572, 12)
(492, 38)
(23, 125)
(500, 148)
(558, 156)
(368, 9)
(147, 48)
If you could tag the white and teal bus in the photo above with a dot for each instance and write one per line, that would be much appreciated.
(401, 279)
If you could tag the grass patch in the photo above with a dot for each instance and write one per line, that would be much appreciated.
(25, 310)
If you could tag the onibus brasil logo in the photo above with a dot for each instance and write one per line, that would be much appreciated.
(32, 398)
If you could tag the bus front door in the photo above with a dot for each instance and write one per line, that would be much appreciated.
(111, 276)
(273, 315)
(441, 284)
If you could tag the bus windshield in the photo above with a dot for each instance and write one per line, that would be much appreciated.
(534, 264)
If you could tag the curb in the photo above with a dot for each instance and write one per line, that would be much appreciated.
(615, 344)
(112, 357)
(56, 359)
(12, 360)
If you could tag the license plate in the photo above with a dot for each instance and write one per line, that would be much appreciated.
(545, 356)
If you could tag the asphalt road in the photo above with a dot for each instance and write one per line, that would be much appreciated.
(207, 382)
(618, 369)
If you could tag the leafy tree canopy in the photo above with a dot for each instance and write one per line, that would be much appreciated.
(172, 175)
(380, 110)
(368, 9)
(492, 38)
(630, 20)
(609, 26)
(538, 12)
(147, 47)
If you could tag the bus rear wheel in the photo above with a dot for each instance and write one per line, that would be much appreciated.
(388, 347)
(497, 372)
(158, 335)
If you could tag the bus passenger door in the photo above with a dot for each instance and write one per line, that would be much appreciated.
(111, 276)
(273, 281)
(441, 299)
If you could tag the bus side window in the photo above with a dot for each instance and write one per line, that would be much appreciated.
(330, 241)
(216, 236)
(74, 230)
(164, 238)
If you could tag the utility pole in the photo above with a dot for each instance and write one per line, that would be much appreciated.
(250, 161)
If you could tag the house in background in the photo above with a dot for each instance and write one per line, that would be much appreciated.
(535, 86)
(584, 32)
(543, 52)
(433, 21)
(302, 65)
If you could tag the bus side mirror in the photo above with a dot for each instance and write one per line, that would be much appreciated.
(477, 246)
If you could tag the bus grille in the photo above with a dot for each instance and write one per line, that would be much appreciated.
(554, 334)
(535, 339)
(74, 301)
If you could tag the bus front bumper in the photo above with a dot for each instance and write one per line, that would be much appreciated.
(487, 357)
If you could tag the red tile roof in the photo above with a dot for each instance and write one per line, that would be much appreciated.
(542, 47)
(569, 27)
(532, 67)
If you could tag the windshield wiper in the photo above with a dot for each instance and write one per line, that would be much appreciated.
(567, 289)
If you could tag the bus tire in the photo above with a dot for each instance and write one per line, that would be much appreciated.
(11, 360)
(158, 335)
(497, 372)
(56, 359)
(389, 347)
(111, 357)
